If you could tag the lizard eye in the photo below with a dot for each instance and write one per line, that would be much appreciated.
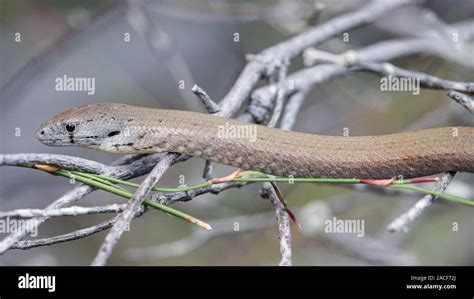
(70, 127)
(113, 133)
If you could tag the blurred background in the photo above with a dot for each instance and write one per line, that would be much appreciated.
(194, 41)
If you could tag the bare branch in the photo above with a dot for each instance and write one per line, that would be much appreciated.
(69, 211)
(349, 59)
(207, 172)
(68, 198)
(62, 161)
(284, 226)
(140, 164)
(268, 190)
(292, 108)
(426, 80)
(268, 59)
(462, 99)
(402, 221)
(169, 198)
(209, 104)
(75, 235)
(133, 206)
(137, 168)
(280, 94)
(304, 80)
(211, 108)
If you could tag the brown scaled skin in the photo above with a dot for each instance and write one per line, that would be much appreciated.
(120, 128)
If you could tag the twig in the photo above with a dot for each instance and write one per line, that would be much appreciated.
(137, 168)
(133, 206)
(306, 79)
(78, 234)
(293, 106)
(69, 211)
(349, 59)
(209, 104)
(403, 220)
(280, 94)
(65, 200)
(207, 172)
(269, 58)
(140, 165)
(268, 190)
(63, 161)
(462, 99)
(211, 108)
(283, 220)
(163, 199)
(426, 80)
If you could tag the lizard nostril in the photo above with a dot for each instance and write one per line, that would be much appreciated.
(42, 132)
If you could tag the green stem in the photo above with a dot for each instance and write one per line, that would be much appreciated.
(156, 189)
(397, 184)
(449, 197)
(108, 184)
(78, 176)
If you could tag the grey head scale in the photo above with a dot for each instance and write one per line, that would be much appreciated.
(98, 126)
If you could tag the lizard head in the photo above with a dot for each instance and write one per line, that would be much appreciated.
(97, 126)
